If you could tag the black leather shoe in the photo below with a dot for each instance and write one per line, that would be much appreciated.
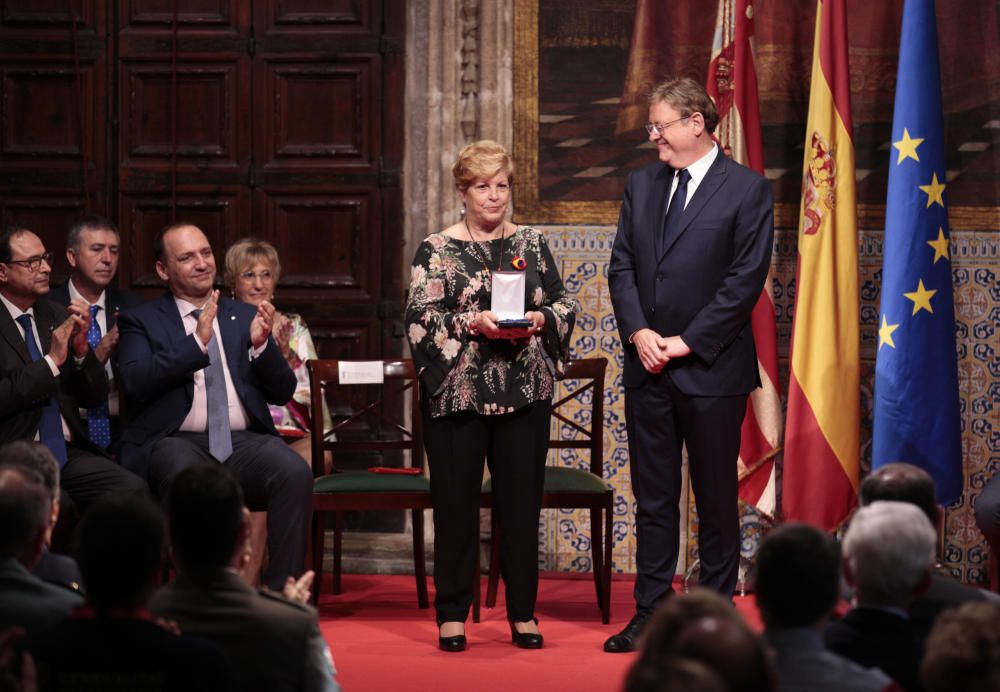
(525, 640)
(626, 640)
(454, 643)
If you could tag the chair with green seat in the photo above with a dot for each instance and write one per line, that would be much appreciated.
(369, 420)
(574, 488)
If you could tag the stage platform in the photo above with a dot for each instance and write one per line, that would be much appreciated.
(381, 640)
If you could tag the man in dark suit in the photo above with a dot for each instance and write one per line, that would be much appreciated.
(687, 266)
(92, 247)
(908, 483)
(199, 372)
(48, 372)
(888, 556)
(25, 600)
(209, 531)
(112, 642)
(51, 567)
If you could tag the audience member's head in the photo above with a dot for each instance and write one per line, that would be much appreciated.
(184, 259)
(888, 553)
(25, 266)
(963, 650)
(24, 515)
(902, 483)
(92, 247)
(207, 517)
(122, 551)
(798, 576)
(702, 626)
(36, 457)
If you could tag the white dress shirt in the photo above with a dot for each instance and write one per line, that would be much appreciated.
(197, 417)
(102, 322)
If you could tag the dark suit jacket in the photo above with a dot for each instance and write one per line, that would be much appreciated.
(158, 361)
(115, 300)
(26, 387)
(877, 638)
(61, 570)
(704, 284)
(96, 654)
(264, 635)
(26, 601)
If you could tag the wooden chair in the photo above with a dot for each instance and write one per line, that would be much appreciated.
(574, 488)
(364, 423)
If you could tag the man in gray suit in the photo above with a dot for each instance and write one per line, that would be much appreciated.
(209, 528)
(25, 600)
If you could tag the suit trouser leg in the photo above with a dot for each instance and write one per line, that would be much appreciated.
(87, 477)
(456, 449)
(518, 446)
(711, 428)
(654, 443)
(274, 479)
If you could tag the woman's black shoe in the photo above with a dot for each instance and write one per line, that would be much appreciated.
(525, 640)
(456, 643)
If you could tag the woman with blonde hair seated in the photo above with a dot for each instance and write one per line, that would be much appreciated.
(252, 273)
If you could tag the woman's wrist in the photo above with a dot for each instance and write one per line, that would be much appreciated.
(473, 327)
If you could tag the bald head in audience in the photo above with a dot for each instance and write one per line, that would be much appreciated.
(902, 483)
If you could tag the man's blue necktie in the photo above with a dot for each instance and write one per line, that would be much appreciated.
(220, 437)
(98, 423)
(50, 431)
(672, 224)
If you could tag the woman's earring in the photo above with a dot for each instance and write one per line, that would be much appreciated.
(461, 212)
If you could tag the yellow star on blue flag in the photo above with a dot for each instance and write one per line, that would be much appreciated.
(916, 402)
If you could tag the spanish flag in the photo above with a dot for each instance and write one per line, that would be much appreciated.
(732, 83)
(822, 429)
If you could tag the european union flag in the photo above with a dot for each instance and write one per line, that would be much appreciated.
(916, 372)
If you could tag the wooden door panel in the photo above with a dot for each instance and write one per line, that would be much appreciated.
(205, 14)
(210, 97)
(46, 14)
(49, 217)
(38, 112)
(317, 115)
(325, 241)
(298, 16)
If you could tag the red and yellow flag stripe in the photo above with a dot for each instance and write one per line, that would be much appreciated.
(822, 430)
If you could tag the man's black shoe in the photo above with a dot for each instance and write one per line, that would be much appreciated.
(626, 640)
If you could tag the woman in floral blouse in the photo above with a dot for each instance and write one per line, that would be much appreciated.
(486, 391)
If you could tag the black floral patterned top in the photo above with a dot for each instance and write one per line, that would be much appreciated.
(450, 282)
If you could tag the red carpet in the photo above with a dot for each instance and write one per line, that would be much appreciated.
(381, 640)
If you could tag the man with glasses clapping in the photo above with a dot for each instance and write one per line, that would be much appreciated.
(48, 372)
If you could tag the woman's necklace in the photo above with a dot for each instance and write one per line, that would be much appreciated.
(475, 244)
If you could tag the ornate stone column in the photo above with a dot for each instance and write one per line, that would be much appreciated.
(459, 88)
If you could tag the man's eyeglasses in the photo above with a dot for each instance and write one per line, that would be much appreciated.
(33, 264)
(658, 128)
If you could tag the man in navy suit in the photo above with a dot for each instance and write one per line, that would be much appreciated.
(92, 248)
(198, 371)
(687, 266)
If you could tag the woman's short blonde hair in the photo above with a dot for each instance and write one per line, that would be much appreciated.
(246, 252)
(482, 159)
